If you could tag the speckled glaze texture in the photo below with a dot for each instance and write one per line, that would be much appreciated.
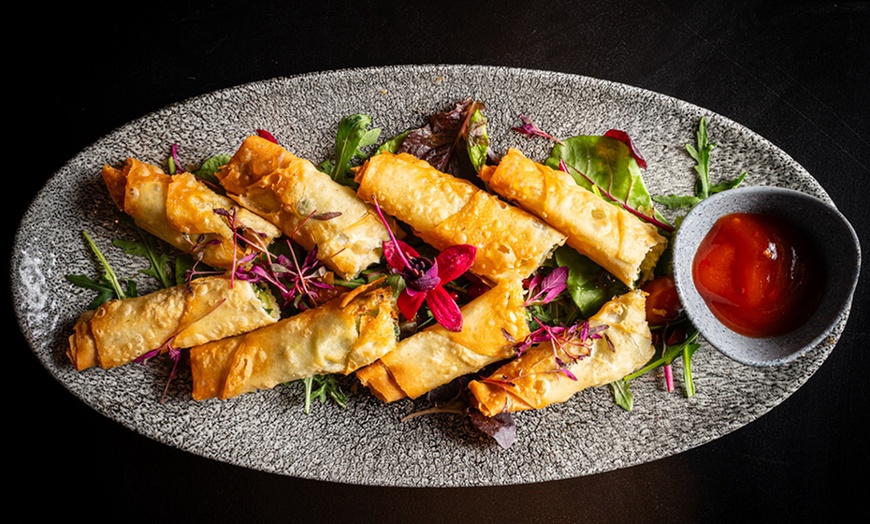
(367, 443)
(821, 223)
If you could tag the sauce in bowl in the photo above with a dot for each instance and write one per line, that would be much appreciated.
(758, 274)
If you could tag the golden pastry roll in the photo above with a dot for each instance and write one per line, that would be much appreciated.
(533, 380)
(306, 204)
(337, 337)
(208, 308)
(492, 323)
(444, 210)
(618, 241)
(183, 211)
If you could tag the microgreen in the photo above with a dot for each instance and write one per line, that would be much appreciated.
(175, 166)
(159, 267)
(302, 285)
(543, 289)
(528, 127)
(108, 286)
(700, 152)
(352, 138)
(684, 349)
(323, 388)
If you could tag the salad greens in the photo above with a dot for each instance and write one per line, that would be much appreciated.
(108, 286)
(351, 140)
(703, 188)
(568, 289)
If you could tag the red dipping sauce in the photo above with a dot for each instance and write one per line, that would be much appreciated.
(758, 274)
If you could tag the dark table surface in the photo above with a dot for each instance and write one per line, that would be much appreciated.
(796, 72)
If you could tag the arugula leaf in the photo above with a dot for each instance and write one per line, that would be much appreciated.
(700, 152)
(108, 287)
(103, 287)
(159, 262)
(323, 388)
(109, 274)
(622, 394)
(353, 136)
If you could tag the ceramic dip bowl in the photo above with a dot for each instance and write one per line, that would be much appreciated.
(832, 238)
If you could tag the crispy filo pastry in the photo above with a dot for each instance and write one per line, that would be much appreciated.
(492, 323)
(208, 308)
(533, 380)
(186, 213)
(618, 241)
(306, 204)
(337, 337)
(444, 210)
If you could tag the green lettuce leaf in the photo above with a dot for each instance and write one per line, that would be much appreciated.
(609, 164)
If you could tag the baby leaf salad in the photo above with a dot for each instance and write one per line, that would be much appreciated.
(430, 286)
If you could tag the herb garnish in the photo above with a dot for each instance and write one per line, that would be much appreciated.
(108, 286)
(323, 388)
(703, 188)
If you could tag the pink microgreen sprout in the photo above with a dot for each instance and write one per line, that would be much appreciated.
(425, 278)
(176, 163)
(530, 128)
(569, 343)
(172, 352)
(546, 288)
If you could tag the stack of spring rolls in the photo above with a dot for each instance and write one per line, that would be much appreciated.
(239, 344)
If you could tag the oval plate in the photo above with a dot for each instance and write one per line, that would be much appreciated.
(366, 442)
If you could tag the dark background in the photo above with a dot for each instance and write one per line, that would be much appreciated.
(797, 73)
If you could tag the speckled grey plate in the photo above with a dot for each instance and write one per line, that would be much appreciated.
(366, 443)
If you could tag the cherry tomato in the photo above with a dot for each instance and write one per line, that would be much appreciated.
(662, 302)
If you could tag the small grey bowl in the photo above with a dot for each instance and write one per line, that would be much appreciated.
(825, 227)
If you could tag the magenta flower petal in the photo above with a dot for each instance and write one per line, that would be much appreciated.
(444, 309)
(454, 261)
(409, 305)
(394, 257)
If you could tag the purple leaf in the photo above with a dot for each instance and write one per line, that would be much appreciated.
(262, 133)
(623, 137)
(529, 128)
(501, 427)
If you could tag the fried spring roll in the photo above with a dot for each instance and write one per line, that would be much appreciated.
(181, 210)
(445, 210)
(618, 241)
(306, 204)
(337, 337)
(533, 380)
(435, 356)
(208, 308)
